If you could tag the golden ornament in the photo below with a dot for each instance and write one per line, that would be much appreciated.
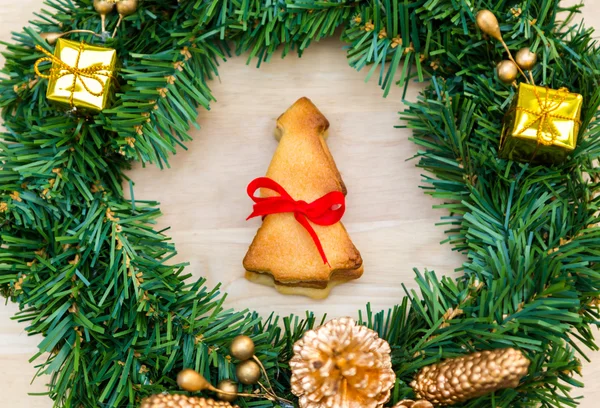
(242, 348)
(230, 389)
(507, 71)
(488, 23)
(182, 401)
(342, 364)
(248, 372)
(192, 381)
(127, 7)
(413, 404)
(51, 38)
(104, 7)
(526, 59)
(541, 125)
(124, 8)
(81, 74)
(470, 376)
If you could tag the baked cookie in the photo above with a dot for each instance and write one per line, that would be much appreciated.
(283, 253)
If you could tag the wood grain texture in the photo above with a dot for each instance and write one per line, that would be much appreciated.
(203, 193)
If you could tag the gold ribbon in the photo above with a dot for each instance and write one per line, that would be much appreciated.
(64, 69)
(545, 117)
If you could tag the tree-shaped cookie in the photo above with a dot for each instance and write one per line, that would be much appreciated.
(283, 253)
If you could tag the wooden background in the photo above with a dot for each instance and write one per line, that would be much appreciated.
(203, 193)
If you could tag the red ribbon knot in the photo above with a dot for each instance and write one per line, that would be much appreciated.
(325, 211)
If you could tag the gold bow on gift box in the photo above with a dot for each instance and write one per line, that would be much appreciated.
(81, 74)
(542, 125)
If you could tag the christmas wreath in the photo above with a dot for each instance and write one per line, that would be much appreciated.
(119, 321)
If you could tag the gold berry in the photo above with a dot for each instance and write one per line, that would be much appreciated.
(191, 381)
(230, 389)
(103, 7)
(248, 372)
(507, 71)
(242, 348)
(526, 59)
(488, 23)
(51, 38)
(127, 7)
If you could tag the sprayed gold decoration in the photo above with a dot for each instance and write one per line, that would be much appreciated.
(342, 364)
(248, 372)
(104, 7)
(124, 8)
(81, 74)
(242, 348)
(127, 7)
(474, 375)
(414, 404)
(542, 125)
(488, 23)
(526, 59)
(15, 195)
(507, 71)
(192, 381)
(229, 389)
(52, 37)
(182, 401)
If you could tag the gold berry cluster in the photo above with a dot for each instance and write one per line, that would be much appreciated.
(124, 8)
(248, 372)
(507, 70)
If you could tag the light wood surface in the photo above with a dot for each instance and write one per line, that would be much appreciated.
(203, 193)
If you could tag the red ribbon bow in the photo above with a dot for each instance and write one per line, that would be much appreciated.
(326, 210)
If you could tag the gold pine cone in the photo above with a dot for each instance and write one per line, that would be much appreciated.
(341, 364)
(470, 376)
(182, 401)
(414, 404)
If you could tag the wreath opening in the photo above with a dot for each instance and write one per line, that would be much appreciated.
(95, 279)
(205, 216)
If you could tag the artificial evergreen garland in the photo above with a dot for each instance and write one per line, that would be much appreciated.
(93, 276)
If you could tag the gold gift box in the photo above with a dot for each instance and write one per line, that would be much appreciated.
(542, 125)
(81, 75)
